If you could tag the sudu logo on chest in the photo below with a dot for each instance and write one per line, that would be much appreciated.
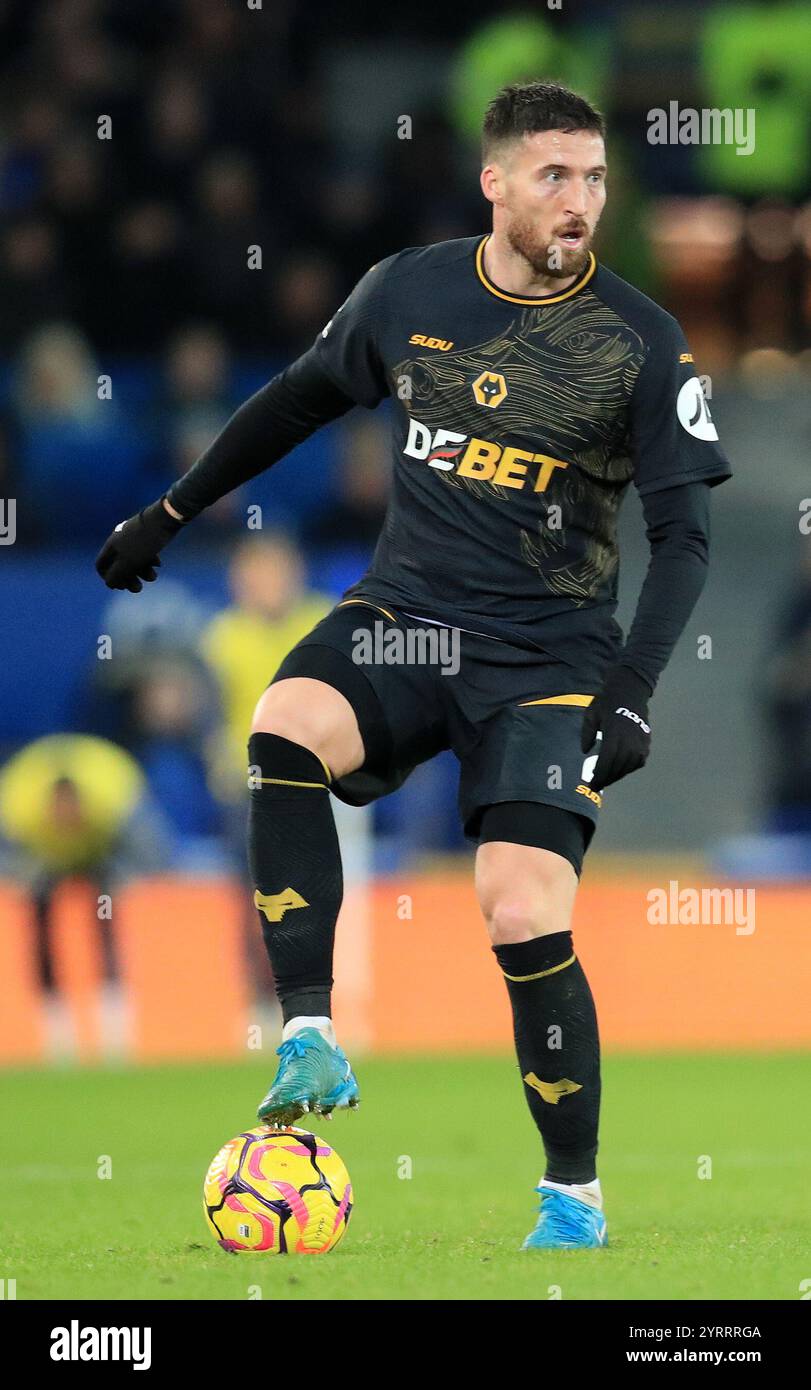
(440, 344)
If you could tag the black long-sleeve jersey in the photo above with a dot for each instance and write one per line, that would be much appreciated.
(518, 424)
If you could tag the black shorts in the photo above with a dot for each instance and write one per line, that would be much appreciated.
(511, 716)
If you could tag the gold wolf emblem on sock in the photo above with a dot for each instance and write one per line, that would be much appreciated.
(274, 905)
(552, 1090)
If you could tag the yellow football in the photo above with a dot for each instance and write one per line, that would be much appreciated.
(278, 1191)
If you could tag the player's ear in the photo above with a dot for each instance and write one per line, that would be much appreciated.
(492, 183)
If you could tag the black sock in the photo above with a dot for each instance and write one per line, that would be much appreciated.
(558, 1050)
(295, 863)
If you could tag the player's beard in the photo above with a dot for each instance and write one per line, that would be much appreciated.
(565, 262)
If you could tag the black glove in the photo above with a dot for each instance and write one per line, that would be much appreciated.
(130, 554)
(620, 713)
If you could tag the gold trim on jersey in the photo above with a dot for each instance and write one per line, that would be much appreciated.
(366, 604)
(539, 300)
(559, 700)
(288, 781)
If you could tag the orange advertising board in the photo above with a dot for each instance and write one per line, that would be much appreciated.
(414, 968)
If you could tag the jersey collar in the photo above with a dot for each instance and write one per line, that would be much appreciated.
(540, 299)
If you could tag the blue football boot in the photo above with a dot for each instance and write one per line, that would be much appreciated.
(566, 1223)
(313, 1076)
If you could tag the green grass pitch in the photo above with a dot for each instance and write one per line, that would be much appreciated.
(450, 1231)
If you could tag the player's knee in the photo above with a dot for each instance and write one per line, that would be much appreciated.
(303, 712)
(285, 723)
(523, 891)
(516, 911)
(511, 919)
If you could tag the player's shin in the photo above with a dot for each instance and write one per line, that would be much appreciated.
(557, 1042)
(295, 863)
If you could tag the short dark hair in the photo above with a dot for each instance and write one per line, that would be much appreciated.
(524, 108)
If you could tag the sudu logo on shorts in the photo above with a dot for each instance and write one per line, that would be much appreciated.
(483, 459)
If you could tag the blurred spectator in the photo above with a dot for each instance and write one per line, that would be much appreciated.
(357, 516)
(74, 806)
(429, 200)
(197, 373)
(198, 395)
(306, 296)
(163, 707)
(36, 285)
(197, 401)
(76, 197)
(245, 643)
(79, 460)
(149, 287)
(23, 161)
(173, 137)
(171, 720)
(95, 73)
(167, 619)
(354, 215)
(157, 698)
(228, 225)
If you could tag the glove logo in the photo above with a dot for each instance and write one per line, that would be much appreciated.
(693, 411)
(629, 714)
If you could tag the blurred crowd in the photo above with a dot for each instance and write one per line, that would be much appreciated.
(154, 777)
(216, 143)
(82, 457)
(187, 192)
(157, 782)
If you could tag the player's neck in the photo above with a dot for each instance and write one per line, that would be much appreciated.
(512, 272)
